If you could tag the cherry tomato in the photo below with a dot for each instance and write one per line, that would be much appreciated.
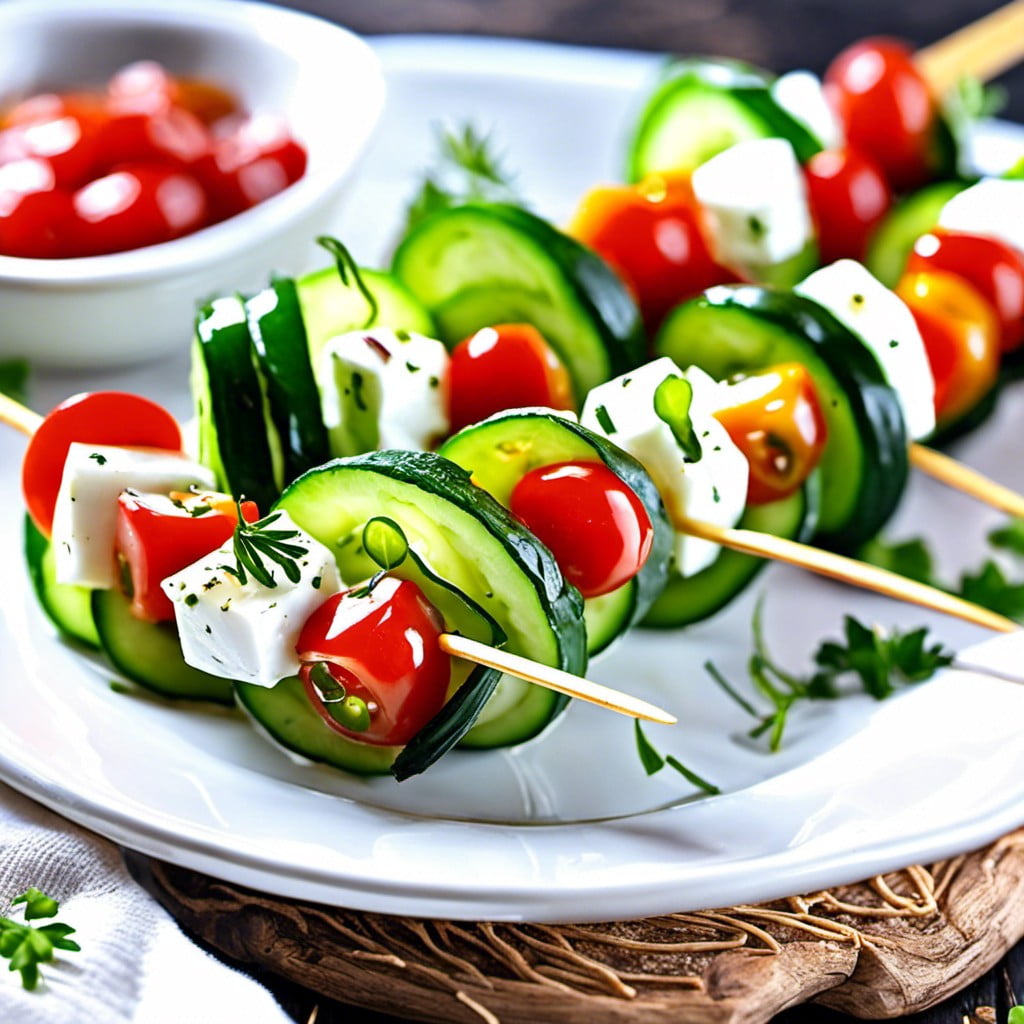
(250, 161)
(775, 419)
(158, 536)
(147, 87)
(848, 195)
(507, 366)
(70, 143)
(383, 649)
(993, 268)
(886, 108)
(97, 417)
(650, 233)
(34, 213)
(171, 136)
(141, 204)
(594, 524)
(48, 106)
(961, 335)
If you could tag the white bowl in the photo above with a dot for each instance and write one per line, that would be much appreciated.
(133, 306)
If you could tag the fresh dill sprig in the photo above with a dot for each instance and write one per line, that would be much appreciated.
(253, 542)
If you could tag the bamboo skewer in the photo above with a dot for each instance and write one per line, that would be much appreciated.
(980, 50)
(14, 414)
(962, 478)
(848, 570)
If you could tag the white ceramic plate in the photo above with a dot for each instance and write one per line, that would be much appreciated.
(567, 827)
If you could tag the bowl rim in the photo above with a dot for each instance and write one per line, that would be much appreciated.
(273, 26)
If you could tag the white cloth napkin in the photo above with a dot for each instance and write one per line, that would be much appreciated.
(136, 966)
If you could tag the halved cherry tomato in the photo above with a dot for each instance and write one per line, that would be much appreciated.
(993, 268)
(172, 136)
(961, 335)
(34, 213)
(775, 419)
(594, 524)
(507, 366)
(158, 536)
(382, 648)
(848, 195)
(138, 205)
(650, 233)
(96, 417)
(70, 143)
(251, 160)
(886, 108)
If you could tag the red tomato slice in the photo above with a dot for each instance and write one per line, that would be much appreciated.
(848, 195)
(96, 417)
(507, 366)
(156, 539)
(650, 233)
(593, 523)
(886, 108)
(383, 649)
(992, 267)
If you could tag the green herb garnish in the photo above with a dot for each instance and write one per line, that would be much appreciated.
(604, 419)
(14, 379)
(879, 660)
(347, 267)
(653, 762)
(672, 400)
(27, 946)
(467, 169)
(255, 541)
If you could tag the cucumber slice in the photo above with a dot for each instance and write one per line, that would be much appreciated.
(742, 328)
(470, 540)
(234, 440)
(487, 263)
(330, 307)
(501, 450)
(685, 601)
(279, 340)
(703, 107)
(913, 216)
(149, 653)
(68, 607)
(284, 713)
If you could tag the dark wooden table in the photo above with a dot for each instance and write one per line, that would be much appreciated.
(778, 34)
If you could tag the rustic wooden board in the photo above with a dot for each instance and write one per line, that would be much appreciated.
(883, 948)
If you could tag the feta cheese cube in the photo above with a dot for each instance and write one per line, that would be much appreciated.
(713, 489)
(754, 203)
(801, 95)
(85, 516)
(384, 389)
(993, 207)
(882, 320)
(246, 631)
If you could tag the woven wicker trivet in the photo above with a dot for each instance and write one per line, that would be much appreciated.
(885, 947)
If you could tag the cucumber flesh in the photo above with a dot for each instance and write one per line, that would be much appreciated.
(743, 329)
(502, 449)
(68, 607)
(471, 541)
(703, 107)
(486, 263)
(149, 653)
(685, 601)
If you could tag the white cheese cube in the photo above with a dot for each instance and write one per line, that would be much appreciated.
(85, 516)
(882, 320)
(754, 203)
(713, 489)
(384, 389)
(246, 631)
(801, 95)
(993, 207)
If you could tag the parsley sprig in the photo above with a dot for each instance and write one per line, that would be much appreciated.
(27, 946)
(878, 660)
(254, 542)
(467, 168)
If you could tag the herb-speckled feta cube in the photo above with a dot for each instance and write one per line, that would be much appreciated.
(247, 631)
